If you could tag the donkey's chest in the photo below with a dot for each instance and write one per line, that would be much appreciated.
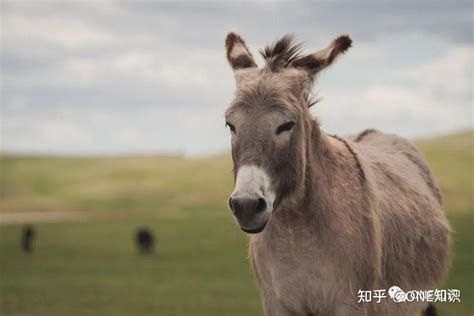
(298, 277)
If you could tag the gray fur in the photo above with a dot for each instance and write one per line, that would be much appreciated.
(356, 212)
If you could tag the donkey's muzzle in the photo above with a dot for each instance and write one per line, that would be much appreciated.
(249, 213)
(242, 206)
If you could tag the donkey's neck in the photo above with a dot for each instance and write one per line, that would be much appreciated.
(333, 177)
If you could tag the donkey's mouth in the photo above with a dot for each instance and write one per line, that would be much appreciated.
(255, 230)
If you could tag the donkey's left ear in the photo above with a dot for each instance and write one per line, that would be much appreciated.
(238, 54)
(316, 62)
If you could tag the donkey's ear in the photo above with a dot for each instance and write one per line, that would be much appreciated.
(238, 54)
(316, 62)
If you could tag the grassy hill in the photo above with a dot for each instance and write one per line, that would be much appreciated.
(452, 159)
(90, 266)
(139, 183)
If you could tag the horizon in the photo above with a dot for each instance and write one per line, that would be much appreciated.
(182, 154)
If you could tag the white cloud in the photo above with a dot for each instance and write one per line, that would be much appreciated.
(125, 77)
(450, 75)
(431, 97)
(71, 129)
(44, 36)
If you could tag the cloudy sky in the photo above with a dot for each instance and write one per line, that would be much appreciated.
(90, 77)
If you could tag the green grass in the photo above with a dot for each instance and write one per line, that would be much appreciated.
(452, 160)
(200, 268)
(92, 268)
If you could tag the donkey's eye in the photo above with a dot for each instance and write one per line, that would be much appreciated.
(285, 127)
(232, 127)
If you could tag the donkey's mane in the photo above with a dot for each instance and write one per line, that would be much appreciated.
(282, 53)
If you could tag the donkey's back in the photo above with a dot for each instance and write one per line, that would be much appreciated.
(407, 204)
(397, 155)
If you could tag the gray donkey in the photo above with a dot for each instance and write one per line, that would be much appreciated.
(333, 217)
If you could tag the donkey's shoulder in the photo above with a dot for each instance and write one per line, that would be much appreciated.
(396, 153)
(388, 143)
(362, 136)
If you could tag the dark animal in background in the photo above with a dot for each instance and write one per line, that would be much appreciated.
(145, 240)
(27, 236)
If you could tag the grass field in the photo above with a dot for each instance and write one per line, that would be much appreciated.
(90, 266)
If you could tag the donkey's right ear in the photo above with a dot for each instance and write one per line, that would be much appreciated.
(238, 54)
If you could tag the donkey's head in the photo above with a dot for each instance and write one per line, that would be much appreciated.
(271, 125)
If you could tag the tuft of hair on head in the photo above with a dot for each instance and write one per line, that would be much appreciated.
(281, 53)
(238, 54)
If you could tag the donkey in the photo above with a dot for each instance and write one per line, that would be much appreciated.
(332, 217)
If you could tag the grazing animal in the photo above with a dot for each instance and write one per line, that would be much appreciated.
(331, 215)
(145, 240)
(27, 236)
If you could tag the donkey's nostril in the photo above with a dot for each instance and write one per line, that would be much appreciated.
(261, 205)
(243, 206)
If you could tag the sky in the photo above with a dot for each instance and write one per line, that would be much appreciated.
(134, 77)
